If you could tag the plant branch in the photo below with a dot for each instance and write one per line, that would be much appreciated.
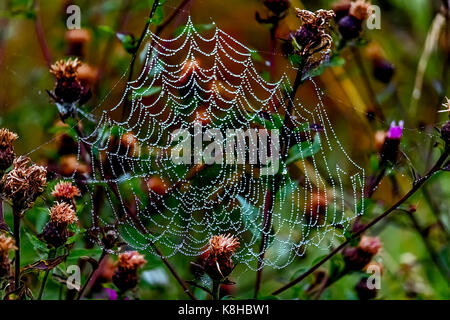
(135, 54)
(270, 195)
(17, 215)
(416, 186)
(88, 280)
(40, 36)
(51, 255)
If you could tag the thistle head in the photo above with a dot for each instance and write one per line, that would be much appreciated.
(24, 183)
(360, 9)
(131, 260)
(223, 245)
(371, 245)
(217, 261)
(64, 70)
(65, 191)
(63, 213)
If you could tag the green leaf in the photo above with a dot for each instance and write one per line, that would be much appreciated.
(129, 42)
(145, 92)
(304, 149)
(106, 29)
(337, 266)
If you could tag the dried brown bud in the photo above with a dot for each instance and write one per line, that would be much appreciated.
(125, 277)
(63, 213)
(7, 156)
(313, 41)
(76, 38)
(217, 262)
(6, 246)
(69, 164)
(24, 183)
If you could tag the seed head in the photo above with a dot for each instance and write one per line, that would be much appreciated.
(24, 183)
(223, 245)
(313, 41)
(63, 213)
(65, 69)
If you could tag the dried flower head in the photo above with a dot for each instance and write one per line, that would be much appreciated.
(70, 164)
(63, 213)
(217, 262)
(68, 88)
(7, 244)
(7, 139)
(312, 39)
(77, 36)
(360, 9)
(341, 8)
(223, 245)
(65, 69)
(131, 260)
(64, 190)
(371, 245)
(24, 183)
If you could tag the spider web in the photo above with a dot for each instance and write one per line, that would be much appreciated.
(213, 81)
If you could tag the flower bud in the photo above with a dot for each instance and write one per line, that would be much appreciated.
(66, 192)
(391, 146)
(7, 155)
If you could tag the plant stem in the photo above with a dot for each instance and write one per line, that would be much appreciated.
(51, 255)
(416, 186)
(88, 280)
(270, 195)
(40, 36)
(215, 290)
(135, 54)
(16, 215)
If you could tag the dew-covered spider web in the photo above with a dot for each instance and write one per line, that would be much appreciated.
(211, 81)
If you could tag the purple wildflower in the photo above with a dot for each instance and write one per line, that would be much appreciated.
(395, 131)
(112, 294)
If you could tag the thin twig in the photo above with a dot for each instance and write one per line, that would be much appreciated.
(416, 186)
(40, 36)
(16, 215)
(51, 255)
(135, 54)
(270, 195)
(88, 280)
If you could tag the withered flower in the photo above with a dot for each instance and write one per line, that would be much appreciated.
(218, 262)
(125, 277)
(55, 232)
(66, 192)
(24, 183)
(6, 246)
(68, 88)
(312, 41)
(7, 156)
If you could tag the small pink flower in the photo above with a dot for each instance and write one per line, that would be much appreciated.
(395, 131)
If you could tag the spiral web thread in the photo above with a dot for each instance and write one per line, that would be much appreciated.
(213, 80)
